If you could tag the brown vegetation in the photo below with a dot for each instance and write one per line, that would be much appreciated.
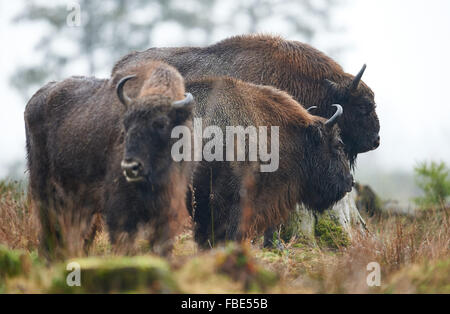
(18, 223)
(413, 252)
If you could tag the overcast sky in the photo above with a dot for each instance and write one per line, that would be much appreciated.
(406, 45)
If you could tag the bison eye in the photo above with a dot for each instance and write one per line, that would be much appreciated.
(339, 144)
(365, 109)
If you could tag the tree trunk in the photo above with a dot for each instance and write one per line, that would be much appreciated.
(333, 227)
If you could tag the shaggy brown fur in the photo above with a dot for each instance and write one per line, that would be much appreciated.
(307, 74)
(234, 199)
(78, 133)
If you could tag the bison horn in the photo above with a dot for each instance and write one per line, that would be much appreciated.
(311, 108)
(357, 79)
(124, 99)
(188, 98)
(337, 114)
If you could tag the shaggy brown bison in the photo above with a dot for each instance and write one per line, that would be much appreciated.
(307, 74)
(94, 150)
(235, 199)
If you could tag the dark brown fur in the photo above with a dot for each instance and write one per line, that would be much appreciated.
(78, 133)
(234, 199)
(294, 67)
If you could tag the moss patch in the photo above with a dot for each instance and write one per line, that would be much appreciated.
(270, 255)
(15, 262)
(329, 233)
(146, 274)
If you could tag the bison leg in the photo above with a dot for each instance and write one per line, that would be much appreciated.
(202, 214)
(120, 227)
(218, 212)
(41, 191)
(123, 212)
(161, 239)
(94, 228)
(212, 203)
(233, 230)
(50, 240)
(268, 238)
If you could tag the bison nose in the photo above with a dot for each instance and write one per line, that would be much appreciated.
(376, 143)
(132, 169)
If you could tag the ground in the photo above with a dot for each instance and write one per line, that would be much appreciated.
(412, 251)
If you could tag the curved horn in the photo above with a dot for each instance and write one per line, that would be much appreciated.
(337, 114)
(311, 108)
(357, 78)
(124, 99)
(188, 98)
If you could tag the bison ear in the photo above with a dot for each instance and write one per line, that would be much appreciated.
(180, 115)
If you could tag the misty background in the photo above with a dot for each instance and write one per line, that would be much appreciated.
(406, 46)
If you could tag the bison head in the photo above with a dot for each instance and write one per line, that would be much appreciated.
(147, 123)
(359, 126)
(325, 164)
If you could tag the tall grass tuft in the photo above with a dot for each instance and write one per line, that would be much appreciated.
(396, 242)
(19, 227)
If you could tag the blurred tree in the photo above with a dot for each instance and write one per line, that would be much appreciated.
(304, 17)
(111, 28)
(434, 180)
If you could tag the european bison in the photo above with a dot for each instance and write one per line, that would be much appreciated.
(235, 199)
(311, 77)
(93, 149)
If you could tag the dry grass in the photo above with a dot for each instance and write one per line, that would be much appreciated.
(396, 242)
(412, 251)
(18, 223)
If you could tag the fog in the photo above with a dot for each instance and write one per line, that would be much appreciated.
(405, 45)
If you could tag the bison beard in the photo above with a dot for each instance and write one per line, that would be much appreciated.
(80, 140)
(233, 199)
(311, 77)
